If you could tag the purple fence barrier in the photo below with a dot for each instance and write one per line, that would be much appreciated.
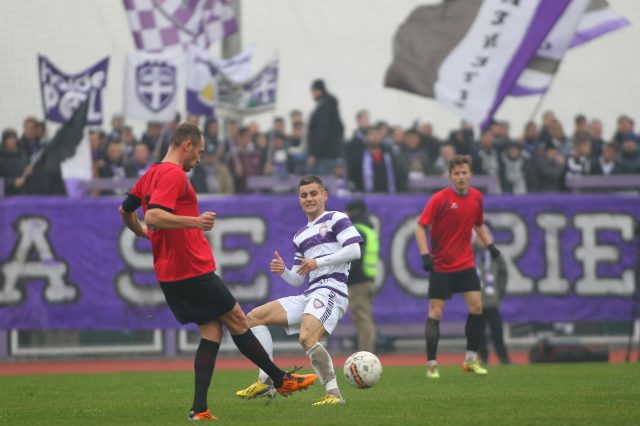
(73, 265)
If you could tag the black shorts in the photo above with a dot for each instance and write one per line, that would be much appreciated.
(200, 299)
(443, 284)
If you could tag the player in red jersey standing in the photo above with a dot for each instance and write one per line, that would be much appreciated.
(185, 267)
(451, 214)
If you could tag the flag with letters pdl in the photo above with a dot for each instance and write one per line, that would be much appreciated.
(583, 21)
(255, 95)
(158, 25)
(468, 54)
(202, 86)
(151, 85)
(62, 93)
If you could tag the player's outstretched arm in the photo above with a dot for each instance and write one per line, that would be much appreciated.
(163, 219)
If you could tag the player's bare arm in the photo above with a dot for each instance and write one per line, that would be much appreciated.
(131, 220)
(163, 219)
(485, 236)
(421, 239)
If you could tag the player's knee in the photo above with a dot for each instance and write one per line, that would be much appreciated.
(306, 341)
(475, 308)
(236, 320)
(435, 313)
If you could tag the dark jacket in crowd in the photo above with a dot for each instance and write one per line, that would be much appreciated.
(326, 131)
(12, 165)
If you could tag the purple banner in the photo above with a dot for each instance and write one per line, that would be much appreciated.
(75, 266)
(62, 93)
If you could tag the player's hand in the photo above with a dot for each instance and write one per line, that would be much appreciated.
(277, 264)
(427, 262)
(493, 250)
(307, 266)
(144, 233)
(206, 220)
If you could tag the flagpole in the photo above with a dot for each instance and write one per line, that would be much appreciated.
(539, 104)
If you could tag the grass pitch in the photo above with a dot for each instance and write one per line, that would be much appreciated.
(560, 394)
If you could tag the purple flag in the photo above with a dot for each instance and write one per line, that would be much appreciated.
(62, 93)
(158, 25)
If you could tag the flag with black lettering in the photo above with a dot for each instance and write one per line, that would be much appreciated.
(62, 92)
(468, 54)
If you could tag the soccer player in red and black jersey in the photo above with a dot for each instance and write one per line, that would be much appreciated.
(451, 214)
(185, 268)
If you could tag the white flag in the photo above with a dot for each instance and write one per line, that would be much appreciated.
(151, 85)
(238, 68)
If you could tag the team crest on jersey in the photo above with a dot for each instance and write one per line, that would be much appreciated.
(317, 304)
(323, 229)
(454, 205)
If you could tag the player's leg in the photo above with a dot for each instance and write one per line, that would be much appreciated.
(275, 313)
(204, 364)
(244, 339)
(271, 313)
(432, 336)
(322, 312)
(439, 290)
(473, 331)
(191, 301)
(311, 331)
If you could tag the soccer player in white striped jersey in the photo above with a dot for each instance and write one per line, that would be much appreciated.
(324, 249)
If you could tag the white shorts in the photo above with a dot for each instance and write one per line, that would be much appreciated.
(323, 303)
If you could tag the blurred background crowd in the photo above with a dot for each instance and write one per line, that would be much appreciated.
(377, 157)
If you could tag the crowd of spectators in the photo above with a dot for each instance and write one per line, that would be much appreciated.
(378, 157)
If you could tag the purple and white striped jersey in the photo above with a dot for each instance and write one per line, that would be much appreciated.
(324, 236)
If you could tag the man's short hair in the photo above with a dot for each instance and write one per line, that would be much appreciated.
(186, 131)
(308, 180)
(459, 160)
(9, 133)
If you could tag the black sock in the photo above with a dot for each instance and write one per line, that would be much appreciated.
(473, 330)
(250, 347)
(203, 366)
(432, 335)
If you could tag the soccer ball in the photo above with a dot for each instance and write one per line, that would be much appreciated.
(362, 369)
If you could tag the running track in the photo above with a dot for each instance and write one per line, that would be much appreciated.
(15, 368)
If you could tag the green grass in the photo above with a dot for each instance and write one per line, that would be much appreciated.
(561, 394)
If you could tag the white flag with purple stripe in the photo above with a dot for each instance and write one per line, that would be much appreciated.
(158, 25)
(469, 53)
(583, 21)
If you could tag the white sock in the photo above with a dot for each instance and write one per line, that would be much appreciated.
(323, 366)
(471, 355)
(263, 335)
(332, 387)
(432, 363)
